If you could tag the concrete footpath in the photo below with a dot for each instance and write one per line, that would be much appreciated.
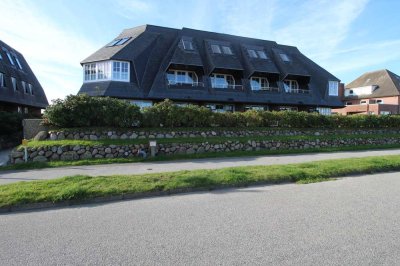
(170, 166)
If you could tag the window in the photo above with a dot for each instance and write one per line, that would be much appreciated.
(2, 80)
(222, 81)
(30, 89)
(24, 87)
(142, 104)
(351, 92)
(324, 110)
(187, 45)
(259, 83)
(19, 109)
(262, 54)
(215, 49)
(252, 53)
(26, 110)
(106, 70)
(1, 57)
(284, 57)
(349, 103)
(18, 63)
(255, 108)
(117, 42)
(363, 102)
(14, 83)
(175, 77)
(290, 85)
(385, 112)
(227, 50)
(10, 58)
(220, 108)
(333, 88)
(379, 101)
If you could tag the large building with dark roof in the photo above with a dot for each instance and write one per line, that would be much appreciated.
(376, 92)
(149, 63)
(20, 91)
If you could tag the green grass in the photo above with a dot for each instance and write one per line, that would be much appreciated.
(54, 164)
(87, 187)
(35, 144)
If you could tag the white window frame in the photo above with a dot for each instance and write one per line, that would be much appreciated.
(214, 76)
(187, 80)
(111, 70)
(190, 46)
(226, 49)
(14, 83)
(259, 80)
(26, 110)
(10, 58)
(262, 54)
(363, 102)
(30, 89)
(252, 53)
(284, 57)
(18, 63)
(24, 88)
(19, 109)
(333, 86)
(216, 49)
(293, 85)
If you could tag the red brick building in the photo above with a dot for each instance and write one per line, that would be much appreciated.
(375, 92)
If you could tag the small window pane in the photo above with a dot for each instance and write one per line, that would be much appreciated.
(10, 58)
(226, 50)
(187, 45)
(262, 54)
(122, 41)
(255, 84)
(252, 53)
(2, 82)
(114, 42)
(14, 83)
(284, 57)
(18, 63)
(215, 49)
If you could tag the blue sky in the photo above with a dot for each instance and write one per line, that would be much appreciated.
(347, 37)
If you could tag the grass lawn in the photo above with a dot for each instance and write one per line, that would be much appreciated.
(87, 187)
(53, 164)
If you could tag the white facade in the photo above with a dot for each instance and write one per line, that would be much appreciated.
(366, 90)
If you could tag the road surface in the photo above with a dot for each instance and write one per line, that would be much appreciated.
(169, 166)
(351, 221)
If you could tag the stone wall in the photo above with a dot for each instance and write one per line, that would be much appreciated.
(145, 134)
(79, 152)
(32, 127)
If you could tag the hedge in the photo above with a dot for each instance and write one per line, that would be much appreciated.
(86, 111)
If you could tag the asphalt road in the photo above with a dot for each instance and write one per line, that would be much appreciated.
(351, 221)
(170, 166)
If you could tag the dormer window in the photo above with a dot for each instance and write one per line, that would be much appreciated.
(215, 49)
(222, 81)
(24, 87)
(291, 85)
(187, 45)
(179, 77)
(259, 83)
(284, 57)
(333, 88)
(18, 63)
(252, 53)
(9, 56)
(106, 70)
(227, 50)
(30, 89)
(262, 54)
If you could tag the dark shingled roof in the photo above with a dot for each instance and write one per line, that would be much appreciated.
(153, 49)
(7, 94)
(388, 84)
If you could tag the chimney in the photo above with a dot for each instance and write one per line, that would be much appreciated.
(341, 91)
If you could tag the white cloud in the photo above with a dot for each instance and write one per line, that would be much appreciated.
(45, 45)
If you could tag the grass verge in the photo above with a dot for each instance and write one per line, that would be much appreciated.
(87, 187)
(54, 164)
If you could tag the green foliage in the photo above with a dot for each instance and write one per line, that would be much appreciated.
(85, 111)
(11, 123)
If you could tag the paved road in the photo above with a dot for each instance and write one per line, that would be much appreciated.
(351, 221)
(156, 167)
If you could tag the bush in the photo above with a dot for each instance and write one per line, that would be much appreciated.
(86, 111)
(11, 124)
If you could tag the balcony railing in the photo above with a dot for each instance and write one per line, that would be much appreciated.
(184, 84)
(229, 87)
(268, 89)
(298, 91)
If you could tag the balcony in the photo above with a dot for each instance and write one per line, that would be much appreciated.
(298, 91)
(229, 87)
(173, 84)
(267, 89)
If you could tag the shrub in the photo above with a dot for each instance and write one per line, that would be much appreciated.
(86, 111)
(11, 124)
